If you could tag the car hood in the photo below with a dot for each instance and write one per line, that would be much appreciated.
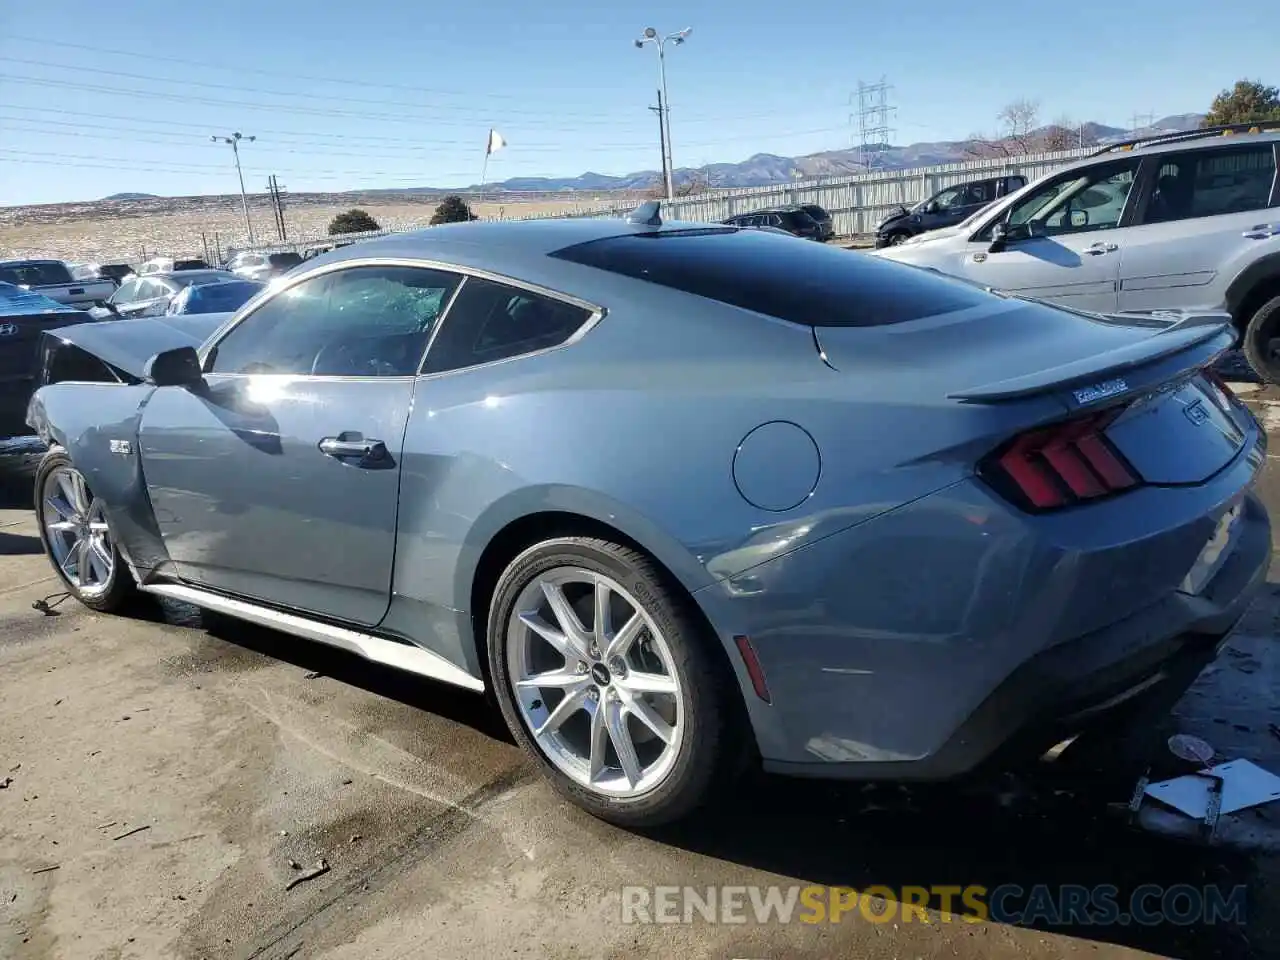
(905, 250)
(129, 344)
(902, 214)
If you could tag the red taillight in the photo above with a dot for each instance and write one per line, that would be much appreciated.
(1061, 465)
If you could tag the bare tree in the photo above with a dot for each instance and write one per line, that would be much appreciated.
(1018, 121)
(1016, 129)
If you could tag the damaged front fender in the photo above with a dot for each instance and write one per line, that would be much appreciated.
(97, 424)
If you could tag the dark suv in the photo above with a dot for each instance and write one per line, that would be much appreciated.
(793, 220)
(946, 208)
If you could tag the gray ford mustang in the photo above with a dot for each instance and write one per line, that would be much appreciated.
(681, 497)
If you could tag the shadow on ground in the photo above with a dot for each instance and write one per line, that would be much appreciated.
(1052, 827)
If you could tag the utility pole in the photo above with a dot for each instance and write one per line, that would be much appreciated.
(1141, 120)
(662, 144)
(277, 205)
(234, 140)
(651, 35)
(874, 131)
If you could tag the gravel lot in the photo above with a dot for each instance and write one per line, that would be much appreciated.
(243, 758)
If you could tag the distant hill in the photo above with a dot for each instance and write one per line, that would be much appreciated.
(762, 169)
(765, 168)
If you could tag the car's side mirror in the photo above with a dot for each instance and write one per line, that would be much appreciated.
(108, 306)
(999, 237)
(179, 367)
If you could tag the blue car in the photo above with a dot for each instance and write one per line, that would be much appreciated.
(223, 296)
(682, 497)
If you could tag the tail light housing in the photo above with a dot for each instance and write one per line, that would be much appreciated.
(1062, 465)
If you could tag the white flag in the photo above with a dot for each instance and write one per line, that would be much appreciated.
(496, 142)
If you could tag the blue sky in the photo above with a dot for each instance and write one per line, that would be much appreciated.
(387, 93)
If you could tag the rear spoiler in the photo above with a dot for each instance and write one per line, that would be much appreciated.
(1212, 332)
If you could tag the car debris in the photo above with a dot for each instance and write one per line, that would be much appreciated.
(49, 869)
(321, 868)
(130, 833)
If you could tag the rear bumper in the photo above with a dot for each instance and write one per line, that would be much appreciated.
(937, 637)
(1154, 655)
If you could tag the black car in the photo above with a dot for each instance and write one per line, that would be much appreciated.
(793, 220)
(823, 218)
(946, 208)
(24, 316)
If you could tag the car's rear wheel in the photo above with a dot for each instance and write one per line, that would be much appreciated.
(77, 538)
(603, 674)
(1262, 341)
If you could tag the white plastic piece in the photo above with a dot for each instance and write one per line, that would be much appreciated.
(1244, 785)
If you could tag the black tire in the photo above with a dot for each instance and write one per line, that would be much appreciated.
(119, 590)
(710, 751)
(1262, 341)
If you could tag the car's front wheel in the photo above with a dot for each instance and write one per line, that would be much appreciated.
(1262, 341)
(76, 537)
(605, 676)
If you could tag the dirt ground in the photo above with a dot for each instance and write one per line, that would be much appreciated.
(131, 231)
(166, 780)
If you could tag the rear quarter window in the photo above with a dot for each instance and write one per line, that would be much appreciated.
(808, 283)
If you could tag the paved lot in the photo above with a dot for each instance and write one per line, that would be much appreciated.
(235, 752)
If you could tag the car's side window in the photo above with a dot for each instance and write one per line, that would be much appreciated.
(370, 321)
(1208, 183)
(126, 292)
(149, 290)
(1083, 201)
(947, 199)
(490, 321)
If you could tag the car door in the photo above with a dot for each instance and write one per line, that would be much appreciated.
(279, 480)
(1199, 219)
(1077, 220)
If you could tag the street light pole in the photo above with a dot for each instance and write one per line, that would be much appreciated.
(650, 35)
(234, 140)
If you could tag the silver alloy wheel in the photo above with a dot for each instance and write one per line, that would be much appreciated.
(76, 530)
(897, 238)
(602, 700)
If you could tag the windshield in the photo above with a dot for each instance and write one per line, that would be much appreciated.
(35, 273)
(219, 297)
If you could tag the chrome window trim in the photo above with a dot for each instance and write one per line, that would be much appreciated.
(595, 312)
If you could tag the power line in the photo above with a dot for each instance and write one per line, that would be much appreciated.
(499, 114)
(34, 125)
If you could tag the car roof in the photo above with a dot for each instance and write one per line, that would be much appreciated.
(188, 275)
(502, 239)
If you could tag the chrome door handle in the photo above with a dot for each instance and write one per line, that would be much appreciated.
(1262, 231)
(1099, 248)
(344, 448)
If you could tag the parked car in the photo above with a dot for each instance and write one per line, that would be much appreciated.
(945, 208)
(436, 450)
(1186, 220)
(263, 266)
(826, 225)
(791, 219)
(24, 315)
(53, 279)
(221, 296)
(170, 265)
(150, 295)
(115, 272)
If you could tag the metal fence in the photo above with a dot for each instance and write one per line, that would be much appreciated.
(857, 203)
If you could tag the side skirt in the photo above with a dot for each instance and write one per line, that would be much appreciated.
(401, 656)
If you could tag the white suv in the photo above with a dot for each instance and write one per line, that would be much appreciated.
(1189, 220)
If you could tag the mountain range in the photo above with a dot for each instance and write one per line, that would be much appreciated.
(766, 168)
